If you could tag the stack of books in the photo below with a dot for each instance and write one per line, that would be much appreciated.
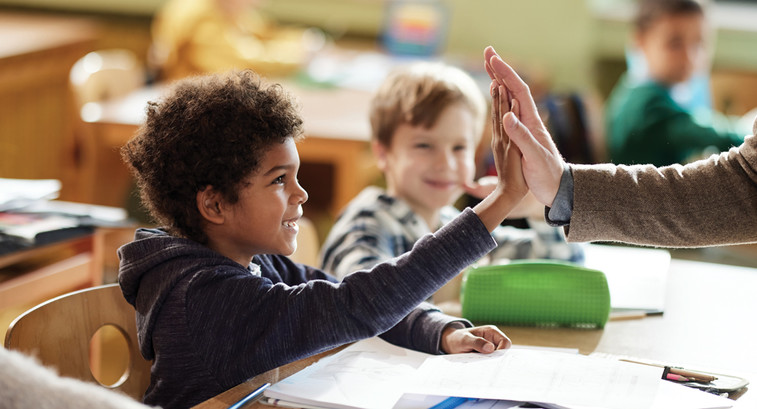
(30, 216)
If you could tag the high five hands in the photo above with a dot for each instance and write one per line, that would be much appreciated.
(542, 164)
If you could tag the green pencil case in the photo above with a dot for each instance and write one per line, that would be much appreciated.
(536, 293)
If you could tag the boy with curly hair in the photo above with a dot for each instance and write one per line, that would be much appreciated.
(426, 121)
(217, 300)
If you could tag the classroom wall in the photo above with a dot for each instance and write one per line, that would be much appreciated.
(529, 32)
(576, 43)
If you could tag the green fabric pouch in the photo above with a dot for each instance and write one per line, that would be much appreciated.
(536, 292)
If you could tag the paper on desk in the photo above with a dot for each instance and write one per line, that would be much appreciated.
(368, 374)
(100, 215)
(375, 374)
(539, 376)
(673, 395)
(16, 193)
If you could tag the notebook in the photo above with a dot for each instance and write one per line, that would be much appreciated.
(637, 277)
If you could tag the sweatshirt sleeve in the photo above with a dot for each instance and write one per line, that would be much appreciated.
(421, 330)
(264, 324)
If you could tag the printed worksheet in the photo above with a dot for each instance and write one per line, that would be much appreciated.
(539, 376)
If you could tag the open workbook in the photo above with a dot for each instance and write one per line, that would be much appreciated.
(375, 374)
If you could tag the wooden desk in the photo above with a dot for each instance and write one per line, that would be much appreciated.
(709, 324)
(39, 273)
(335, 123)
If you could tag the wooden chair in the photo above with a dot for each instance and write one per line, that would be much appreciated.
(95, 171)
(58, 333)
(105, 74)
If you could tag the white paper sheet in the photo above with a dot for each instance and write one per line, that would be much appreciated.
(672, 395)
(539, 376)
(17, 193)
(368, 374)
(375, 374)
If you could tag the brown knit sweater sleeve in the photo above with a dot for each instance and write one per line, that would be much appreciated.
(706, 203)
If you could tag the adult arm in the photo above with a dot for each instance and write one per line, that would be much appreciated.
(709, 202)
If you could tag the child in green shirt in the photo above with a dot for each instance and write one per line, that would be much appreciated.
(644, 122)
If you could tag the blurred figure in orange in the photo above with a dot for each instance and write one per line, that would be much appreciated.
(201, 36)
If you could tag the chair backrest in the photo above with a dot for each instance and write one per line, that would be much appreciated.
(106, 74)
(89, 155)
(58, 333)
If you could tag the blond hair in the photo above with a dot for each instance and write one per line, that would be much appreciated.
(418, 93)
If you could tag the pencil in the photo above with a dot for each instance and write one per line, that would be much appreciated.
(695, 376)
(251, 397)
(632, 314)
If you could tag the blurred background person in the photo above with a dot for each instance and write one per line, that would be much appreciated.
(659, 111)
(201, 36)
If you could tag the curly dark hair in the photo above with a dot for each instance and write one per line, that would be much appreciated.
(206, 130)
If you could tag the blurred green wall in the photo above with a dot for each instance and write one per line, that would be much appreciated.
(573, 42)
(546, 35)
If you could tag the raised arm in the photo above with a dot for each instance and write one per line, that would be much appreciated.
(511, 187)
(541, 161)
(708, 202)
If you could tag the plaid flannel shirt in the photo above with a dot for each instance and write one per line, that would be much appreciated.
(375, 227)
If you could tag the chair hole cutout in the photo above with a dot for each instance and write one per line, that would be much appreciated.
(109, 356)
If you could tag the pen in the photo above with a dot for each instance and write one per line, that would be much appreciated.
(694, 376)
(265, 400)
(633, 314)
(251, 397)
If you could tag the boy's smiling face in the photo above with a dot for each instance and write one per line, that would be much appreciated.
(427, 167)
(674, 47)
(264, 220)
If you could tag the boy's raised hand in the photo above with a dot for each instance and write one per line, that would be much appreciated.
(511, 186)
(542, 163)
(485, 339)
(507, 156)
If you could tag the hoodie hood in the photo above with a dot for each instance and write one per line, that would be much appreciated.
(151, 266)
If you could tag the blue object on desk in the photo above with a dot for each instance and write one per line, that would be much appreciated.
(251, 397)
(451, 403)
(536, 292)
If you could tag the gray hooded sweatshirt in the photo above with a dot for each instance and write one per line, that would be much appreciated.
(210, 324)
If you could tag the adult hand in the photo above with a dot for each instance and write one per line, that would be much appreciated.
(485, 339)
(541, 161)
(507, 157)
